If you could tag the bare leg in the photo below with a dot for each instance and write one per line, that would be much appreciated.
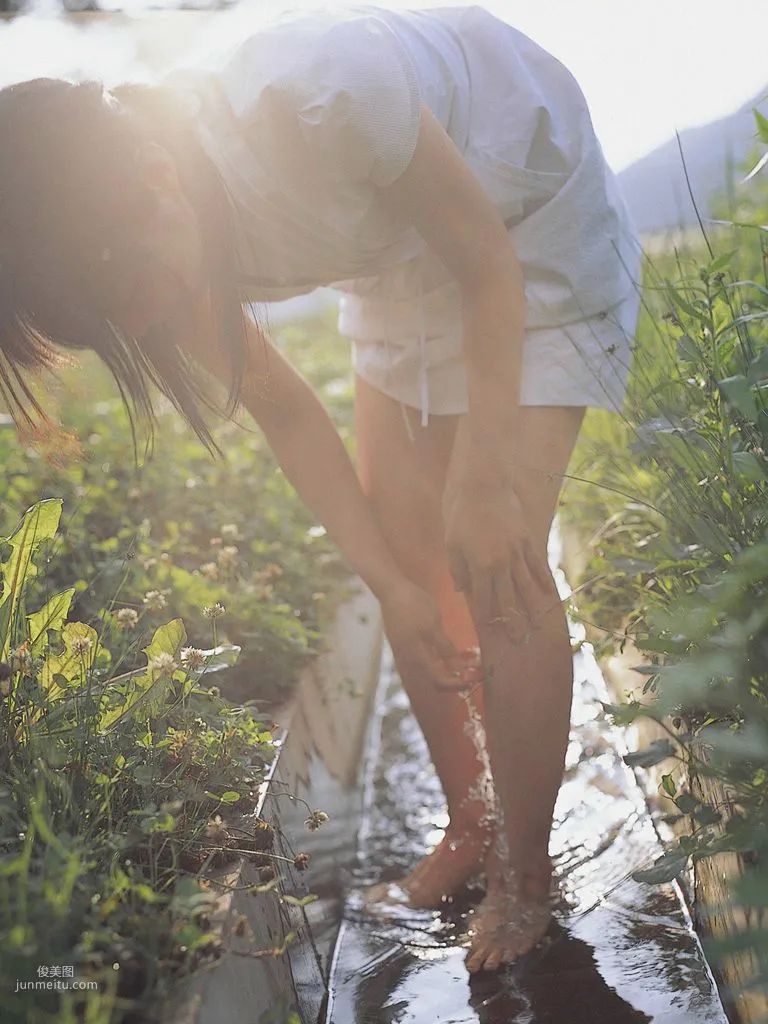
(528, 691)
(405, 483)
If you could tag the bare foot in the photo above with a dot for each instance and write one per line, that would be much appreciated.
(452, 863)
(504, 927)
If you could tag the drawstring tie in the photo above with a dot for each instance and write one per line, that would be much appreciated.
(423, 378)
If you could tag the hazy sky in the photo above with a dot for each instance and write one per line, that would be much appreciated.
(647, 67)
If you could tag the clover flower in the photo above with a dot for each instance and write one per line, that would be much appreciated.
(156, 600)
(81, 645)
(21, 660)
(214, 611)
(163, 663)
(210, 570)
(127, 618)
(192, 658)
(227, 555)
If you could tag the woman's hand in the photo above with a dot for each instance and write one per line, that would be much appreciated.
(415, 633)
(492, 557)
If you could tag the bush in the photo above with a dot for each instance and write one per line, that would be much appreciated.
(675, 501)
(183, 531)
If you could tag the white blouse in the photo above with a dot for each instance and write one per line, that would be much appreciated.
(306, 118)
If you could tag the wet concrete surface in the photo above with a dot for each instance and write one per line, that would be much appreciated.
(618, 952)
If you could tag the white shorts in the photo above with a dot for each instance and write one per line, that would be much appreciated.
(582, 364)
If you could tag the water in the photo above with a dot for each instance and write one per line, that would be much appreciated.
(620, 952)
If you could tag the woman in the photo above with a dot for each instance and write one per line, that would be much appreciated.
(441, 170)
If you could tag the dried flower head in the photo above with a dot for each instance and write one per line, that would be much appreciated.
(214, 611)
(127, 618)
(242, 926)
(216, 830)
(315, 820)
(192, 658)
(21, 660)
(301, 861)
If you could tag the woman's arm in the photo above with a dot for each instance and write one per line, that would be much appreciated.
(487, 538)
(314, 459)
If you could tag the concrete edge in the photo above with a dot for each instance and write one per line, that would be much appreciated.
(710, 879)
(244, 982)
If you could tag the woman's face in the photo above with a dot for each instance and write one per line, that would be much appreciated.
(153, 271)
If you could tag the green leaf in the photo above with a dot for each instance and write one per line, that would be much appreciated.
(687, 803)
(653, 754)
(687, 350)
(707, 815)
(626, 714)
(147, 688)
(230, 797)
(738, 393)
(51, 616)
(749, 466)
(668, 785)
(762, 124)
(296, 902)
(74, 664)
(719, 263)
(38, 524)
(666, 869)
(219, 658)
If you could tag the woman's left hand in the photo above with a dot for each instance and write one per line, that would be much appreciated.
(492, 557)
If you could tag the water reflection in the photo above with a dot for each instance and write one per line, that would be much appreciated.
(618, 953)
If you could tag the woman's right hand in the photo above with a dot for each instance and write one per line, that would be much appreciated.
(415, 632)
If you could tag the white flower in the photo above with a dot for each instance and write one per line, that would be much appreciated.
(21, 660)
(214, 611)
(163, 663)
(156, 600)
(228, 555)
(127, 618)
(210, 570)
(82, 644)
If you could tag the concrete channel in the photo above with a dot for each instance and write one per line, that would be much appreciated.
(619, 952)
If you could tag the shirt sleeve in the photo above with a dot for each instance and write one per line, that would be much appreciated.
(356, 98)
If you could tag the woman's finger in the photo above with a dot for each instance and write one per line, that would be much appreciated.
(538, 565)
(457, 566)
(526, 585)
(509, 606)
(482, 596)
(439, 641)
(438, 671)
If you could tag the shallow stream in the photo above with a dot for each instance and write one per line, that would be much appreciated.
(621, 952)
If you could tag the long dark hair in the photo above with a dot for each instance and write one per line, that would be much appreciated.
(67, 179)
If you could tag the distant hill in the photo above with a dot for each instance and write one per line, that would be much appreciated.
(655, 186)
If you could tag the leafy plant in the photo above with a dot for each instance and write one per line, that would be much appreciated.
(674, 501)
